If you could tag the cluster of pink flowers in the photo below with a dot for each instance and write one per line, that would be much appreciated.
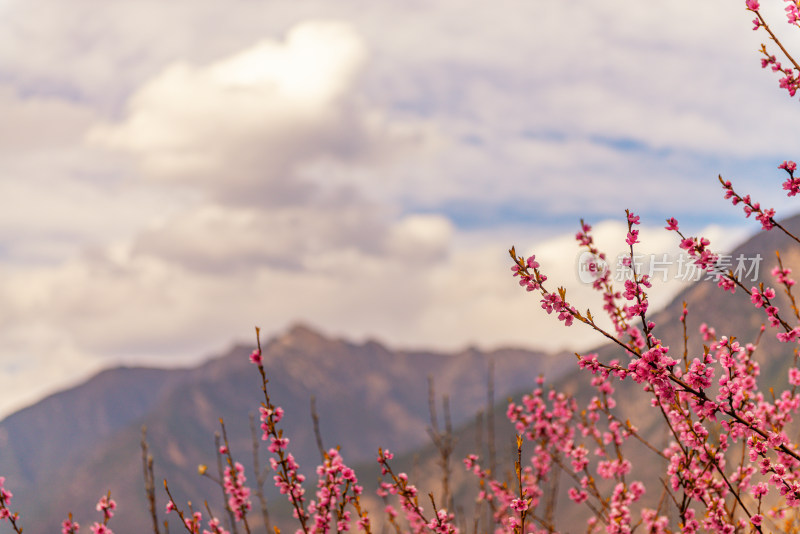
(566, 436)
(337, 486)
(5, 511)
(68, 526)
(793, 12)
(287, 477)
(288, 480)
(556, 303)
(100, 528)
(5, 500)
(699, 249)
(790, 80)
(782, 276)
(215, 527)
(633, 234)
(106, 505)
(792, 184)
(764, 216)
(761, 298)
(532, 280)
(619, 314)
(194, 522)
(238, 493)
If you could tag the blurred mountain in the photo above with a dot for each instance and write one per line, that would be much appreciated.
(63, 453)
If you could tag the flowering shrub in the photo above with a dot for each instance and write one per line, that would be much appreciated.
(731, 465)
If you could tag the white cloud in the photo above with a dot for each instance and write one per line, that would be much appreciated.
(218, 238)
(57, 196)
(425, 237)
(244, 127)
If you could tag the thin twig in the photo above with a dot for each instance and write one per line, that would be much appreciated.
(149, 480)
(260, 475)
(317, 433)
(231, 517)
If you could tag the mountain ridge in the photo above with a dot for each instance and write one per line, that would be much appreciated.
(368, 395)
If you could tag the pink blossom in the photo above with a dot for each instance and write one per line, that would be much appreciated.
(214, 525)
(794, 376)
(672, 224)
(792, 12)
(278, 444)
(69, 526)
(756, 298)
(760, 490)
(99, 528)
(765, 218)
(632, 237)
(238, 493)
(578, 496)
(107, 506)
(520, 505)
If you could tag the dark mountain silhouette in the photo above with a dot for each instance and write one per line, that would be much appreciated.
(64, 452)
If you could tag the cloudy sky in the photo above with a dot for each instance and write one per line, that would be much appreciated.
(174, 173)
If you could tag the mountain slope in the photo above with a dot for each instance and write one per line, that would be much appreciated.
(367, 396)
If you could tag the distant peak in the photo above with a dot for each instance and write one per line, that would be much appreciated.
(308, 338)
(303, 334)
(303, 329)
